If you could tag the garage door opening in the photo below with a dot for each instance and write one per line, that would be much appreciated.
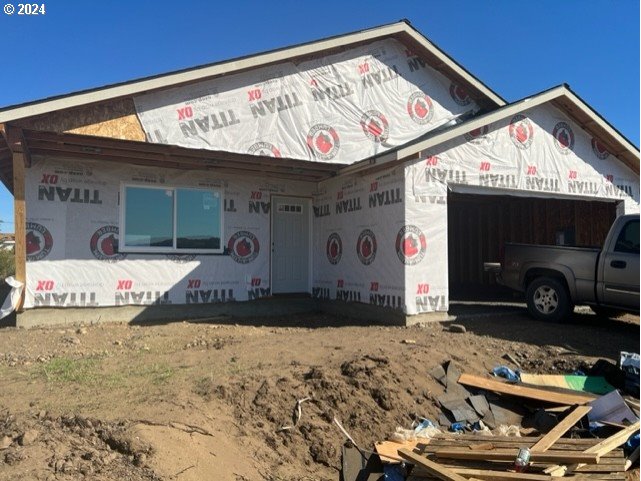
(479, 225)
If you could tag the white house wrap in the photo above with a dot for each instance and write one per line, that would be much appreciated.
(378, 236)
(339, 108)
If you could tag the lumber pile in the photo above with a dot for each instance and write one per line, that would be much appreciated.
(554, 455)
(492, 458)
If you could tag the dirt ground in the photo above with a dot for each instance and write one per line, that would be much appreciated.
(185, 400)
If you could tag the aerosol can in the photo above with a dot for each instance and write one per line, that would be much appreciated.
(522, 460)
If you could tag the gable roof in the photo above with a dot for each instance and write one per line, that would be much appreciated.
(561, 97)
(402, 31)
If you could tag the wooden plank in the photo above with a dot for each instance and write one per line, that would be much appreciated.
(523, 391)
(560, 429)
(604, 447)
(499, 475)
(581, 443)
(129, 146)
(510, 455)
(388, 450)
(532, 468)
(613, 441)
(558, 446)
(176, 163)
(431, 467)
(20, 221)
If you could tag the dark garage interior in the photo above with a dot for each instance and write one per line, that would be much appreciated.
(479, 225)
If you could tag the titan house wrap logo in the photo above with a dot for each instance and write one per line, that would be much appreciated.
(334, 248)
(323, 141)
(366, 247)
(264, 148)
(459, 94)
(375, 126)
(563, 138)
(39, 241)
(476, 136)
(419, 108)
(410, 245)
(521, 131)
(599, 149)
(243, 247)
(104, 244)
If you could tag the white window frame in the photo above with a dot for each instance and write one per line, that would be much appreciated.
(167, 250)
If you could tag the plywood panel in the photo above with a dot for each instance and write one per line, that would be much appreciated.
(116, 119)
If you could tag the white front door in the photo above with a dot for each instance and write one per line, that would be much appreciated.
(290, 244)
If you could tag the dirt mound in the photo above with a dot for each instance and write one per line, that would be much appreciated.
(370, 395)
(65, 448)
(249, 378)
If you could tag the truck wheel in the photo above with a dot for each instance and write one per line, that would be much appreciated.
(607, 312)
(548, 299)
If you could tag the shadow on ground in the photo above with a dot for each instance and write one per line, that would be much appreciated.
(585, 333)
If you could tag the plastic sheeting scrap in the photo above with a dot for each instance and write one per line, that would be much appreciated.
(507, 373)
(393, 472)
(13, 299)
(629, 364)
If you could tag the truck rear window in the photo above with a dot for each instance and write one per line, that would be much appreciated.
(628, 240)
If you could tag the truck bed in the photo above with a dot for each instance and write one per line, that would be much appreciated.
(579, 262)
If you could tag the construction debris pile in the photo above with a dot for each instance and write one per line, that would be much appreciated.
(523, 427)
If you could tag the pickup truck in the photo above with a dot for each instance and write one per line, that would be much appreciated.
(555, 278)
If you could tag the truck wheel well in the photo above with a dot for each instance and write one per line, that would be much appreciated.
(538, 272)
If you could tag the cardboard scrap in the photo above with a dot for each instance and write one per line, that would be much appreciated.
(611, 408)
(592, 384)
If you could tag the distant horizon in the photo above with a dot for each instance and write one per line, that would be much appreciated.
(534, 48)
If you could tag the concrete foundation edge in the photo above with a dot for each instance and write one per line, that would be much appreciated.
(42, 317)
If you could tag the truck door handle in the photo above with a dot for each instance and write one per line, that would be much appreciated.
(618, 264)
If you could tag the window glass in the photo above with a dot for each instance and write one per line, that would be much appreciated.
(149, 217)
(198, 219)
(628, 240)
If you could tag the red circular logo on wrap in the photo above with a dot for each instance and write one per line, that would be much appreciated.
(419, 108)
(39, 241)
(264, 148)
(459, 94)
(323, 141)
(599, 149)
(410, 245)
(366, 247)
(563, 138)
(104, 244)
(521, 131)
(334, 248)
(375, 126)
(477, 135)
(243, 247)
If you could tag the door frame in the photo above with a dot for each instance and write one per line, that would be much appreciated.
(310, 263)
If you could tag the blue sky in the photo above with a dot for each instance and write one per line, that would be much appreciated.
(516, 48)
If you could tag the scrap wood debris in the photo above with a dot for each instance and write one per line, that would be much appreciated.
(571, 432)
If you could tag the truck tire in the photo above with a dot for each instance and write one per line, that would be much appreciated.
(548, 299)
(607, 312)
